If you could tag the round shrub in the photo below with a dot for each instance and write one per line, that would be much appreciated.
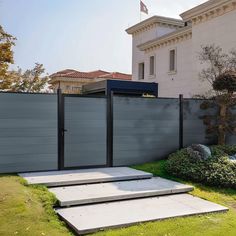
(226, 81)
(217, 170)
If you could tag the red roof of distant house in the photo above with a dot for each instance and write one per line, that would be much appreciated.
(63, 73)
(117, 75)
(77, 74)
(70, 74)
(98, 73)
(91, 75)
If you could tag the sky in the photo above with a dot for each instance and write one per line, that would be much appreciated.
(85, 35)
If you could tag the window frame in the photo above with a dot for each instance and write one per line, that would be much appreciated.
(68, 87)
(152, 71)
(143, 71)
(174, 70)
(75, 88)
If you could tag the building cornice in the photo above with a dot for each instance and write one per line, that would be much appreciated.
(168, 39)
(208, 11)
(153, 22)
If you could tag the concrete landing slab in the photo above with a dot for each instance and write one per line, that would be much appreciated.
(86, 176)
(91, 218)
(113, 191)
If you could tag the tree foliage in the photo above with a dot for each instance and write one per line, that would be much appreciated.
(217, 62)
(7, 41)
(225, 82)
(31, 80)
(221, 73)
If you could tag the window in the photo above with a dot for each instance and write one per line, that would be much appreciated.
(172, 60)
(141, 71)
(67, 87)
(152, 65)
(75, 88)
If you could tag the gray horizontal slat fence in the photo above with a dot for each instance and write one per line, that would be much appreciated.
(194, 130)
(85, 139)
(144, 129)
(28, 132)
(231, 138)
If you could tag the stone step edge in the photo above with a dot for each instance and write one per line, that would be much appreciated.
(123, 197)
(99, 229)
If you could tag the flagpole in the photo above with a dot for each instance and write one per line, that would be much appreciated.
(143, 8)
(140, 11)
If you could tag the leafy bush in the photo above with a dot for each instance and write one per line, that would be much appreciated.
(225, 81)
(228, 149)
(218, 170)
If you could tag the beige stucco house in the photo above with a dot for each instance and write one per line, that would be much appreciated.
(165, 50)
(72, 81)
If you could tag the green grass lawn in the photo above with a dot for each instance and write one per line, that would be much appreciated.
(220, 224)
(28, 210)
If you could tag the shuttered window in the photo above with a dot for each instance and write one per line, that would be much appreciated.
(172, 60)
(152, 65)
(141, 71)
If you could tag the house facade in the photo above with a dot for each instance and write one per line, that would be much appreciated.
(72, 81)
(165, 50)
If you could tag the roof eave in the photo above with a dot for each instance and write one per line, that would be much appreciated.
(153, 20)
(207, 6)
(160, 40)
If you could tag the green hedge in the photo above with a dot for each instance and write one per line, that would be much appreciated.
(216, 171)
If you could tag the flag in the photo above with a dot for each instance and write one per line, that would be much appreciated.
(143, 7)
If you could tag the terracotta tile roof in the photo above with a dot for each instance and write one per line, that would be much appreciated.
(71, 74)
(91, 75)
(98, 73)
(63, 73)
(77, 74)
(117, 75)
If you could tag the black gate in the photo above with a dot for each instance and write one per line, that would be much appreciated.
(82, 131)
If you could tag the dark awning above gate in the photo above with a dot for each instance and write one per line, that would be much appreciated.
(121, 87)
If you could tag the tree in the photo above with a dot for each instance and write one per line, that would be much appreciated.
(217, 62)
(6, 52)
(221, 74)
(31, 80)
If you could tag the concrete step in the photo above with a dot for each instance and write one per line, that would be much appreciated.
(90, 218)
(86, 176)
(96, 193)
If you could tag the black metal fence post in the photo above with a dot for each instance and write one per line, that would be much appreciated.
(181, 121)
(60, 130)
(110, 129)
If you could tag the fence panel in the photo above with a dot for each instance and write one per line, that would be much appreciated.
(194, 131)
(231, 138)
(28, 132)
(145, 129)
(85, 138)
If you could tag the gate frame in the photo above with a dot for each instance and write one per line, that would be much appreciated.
(62, 130)
(109, 127)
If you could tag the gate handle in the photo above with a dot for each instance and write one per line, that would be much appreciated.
(63, 131)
